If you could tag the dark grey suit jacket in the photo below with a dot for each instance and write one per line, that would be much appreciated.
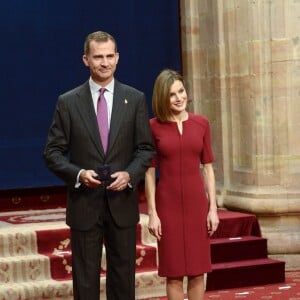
(74, 143)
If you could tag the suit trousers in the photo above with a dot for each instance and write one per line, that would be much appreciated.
(120, 246)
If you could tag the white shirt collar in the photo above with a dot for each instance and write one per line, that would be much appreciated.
(95, 87)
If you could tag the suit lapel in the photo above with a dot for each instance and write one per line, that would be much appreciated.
(118, 112)
(87, 113)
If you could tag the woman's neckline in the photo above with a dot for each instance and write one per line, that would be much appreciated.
(186, 118)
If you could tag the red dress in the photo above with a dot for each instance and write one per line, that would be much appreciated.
(181, 202)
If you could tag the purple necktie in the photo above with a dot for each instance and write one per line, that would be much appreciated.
(102, 117)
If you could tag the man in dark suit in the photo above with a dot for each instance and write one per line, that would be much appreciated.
(102, 202)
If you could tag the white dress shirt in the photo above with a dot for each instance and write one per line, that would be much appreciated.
(108, 94)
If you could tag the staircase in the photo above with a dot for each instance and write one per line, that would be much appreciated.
(35, 256)
(242, 261)
(239, 254)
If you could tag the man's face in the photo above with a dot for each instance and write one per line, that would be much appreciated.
(102, 61)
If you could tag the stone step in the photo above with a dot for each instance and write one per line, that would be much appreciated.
(148, 284)
(47, 247)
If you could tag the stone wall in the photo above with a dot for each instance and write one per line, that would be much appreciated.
(241, 62)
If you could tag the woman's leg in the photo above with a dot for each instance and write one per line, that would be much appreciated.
(195, 287)
(175, 288)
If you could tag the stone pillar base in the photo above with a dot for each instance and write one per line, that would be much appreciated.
(292, 261)
(279, 218)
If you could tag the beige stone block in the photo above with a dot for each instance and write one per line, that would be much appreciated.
(280, 79)
(259, 57)
(230, 24)
(282, 233)
(245, 75)
(293, 18)
(296, 47)
(260, 87)
(239, 88)
(262, 200)
(292, 261)
(282, 50)
(190, 27)
(212, 63)
(283, 242)
(278, 18)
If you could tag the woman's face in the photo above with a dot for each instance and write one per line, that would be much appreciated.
(178, 97)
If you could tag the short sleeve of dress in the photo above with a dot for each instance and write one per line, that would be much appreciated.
(154, 161)
(207, 153)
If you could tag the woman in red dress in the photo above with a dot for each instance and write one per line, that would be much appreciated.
(182, 205)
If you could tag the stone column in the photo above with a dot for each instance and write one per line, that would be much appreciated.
(241, 61)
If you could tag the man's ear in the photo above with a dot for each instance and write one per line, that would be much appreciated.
(85, 60)
(117, 57)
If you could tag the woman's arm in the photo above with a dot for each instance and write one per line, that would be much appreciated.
(210, 186)
(154, 225)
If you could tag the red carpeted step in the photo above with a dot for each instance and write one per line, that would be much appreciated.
(145, 258)
(60, 237)
(48, 240)
(238, 248)
(245, 273)
(235, 224)
(55, 244)
(60, 266)
(32, 198)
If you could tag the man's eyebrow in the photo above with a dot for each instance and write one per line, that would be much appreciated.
(105, 55)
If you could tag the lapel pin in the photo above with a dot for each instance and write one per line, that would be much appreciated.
(125, 101)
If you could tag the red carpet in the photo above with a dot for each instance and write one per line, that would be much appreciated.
(239, 254)
(35, 258)
(290, 290)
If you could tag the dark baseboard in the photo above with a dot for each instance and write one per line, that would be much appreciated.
(41, 198)
(33, 198)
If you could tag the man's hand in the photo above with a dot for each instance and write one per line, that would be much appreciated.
(121, 180)
(89, 178)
